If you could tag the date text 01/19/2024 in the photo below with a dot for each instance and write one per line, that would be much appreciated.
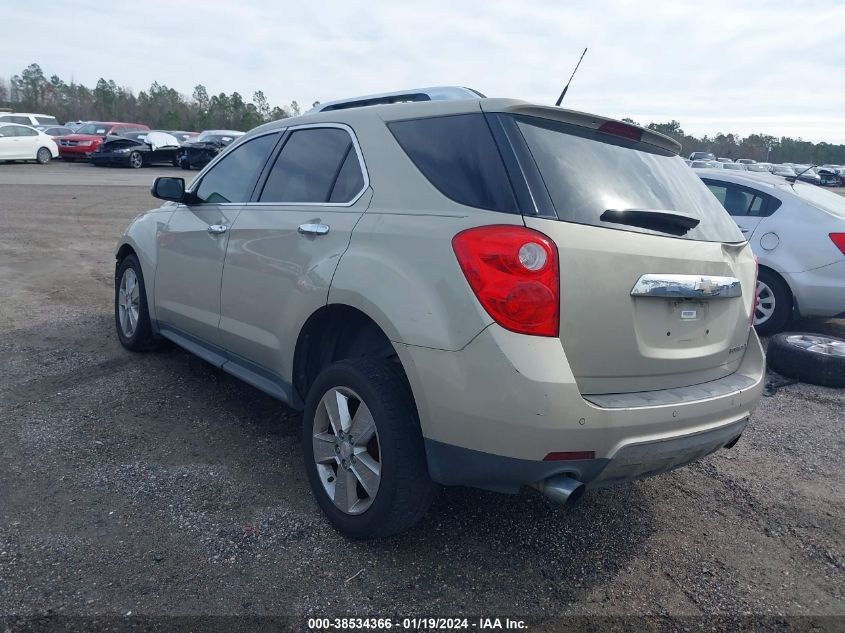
(415, 624)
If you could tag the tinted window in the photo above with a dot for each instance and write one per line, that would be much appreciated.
(458, 156)
(350, 180)
(588, 173)
(232, 179)
(742, 201)
(310, 164)
(46, 120)
(27, 131)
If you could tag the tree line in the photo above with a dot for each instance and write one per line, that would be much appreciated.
(162, 107)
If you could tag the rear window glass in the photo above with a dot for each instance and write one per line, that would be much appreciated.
(458, 155)
(588, 173)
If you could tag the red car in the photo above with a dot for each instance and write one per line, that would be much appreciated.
(89, 137)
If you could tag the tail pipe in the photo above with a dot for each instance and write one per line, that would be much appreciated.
(561, 489)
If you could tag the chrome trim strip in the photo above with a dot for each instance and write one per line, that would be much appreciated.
(673, 286)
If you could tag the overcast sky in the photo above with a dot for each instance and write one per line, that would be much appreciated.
(733, 66)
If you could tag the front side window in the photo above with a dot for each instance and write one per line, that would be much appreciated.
(457, 154)
(233, 178)
(315, 165)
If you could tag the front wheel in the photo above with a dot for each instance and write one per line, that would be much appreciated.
(136, 161)
(43, 156)
(131, 316)
(363, 449)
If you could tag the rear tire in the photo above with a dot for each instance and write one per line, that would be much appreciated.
(43, 156)
(131, 316)
(773, 311)
(403, 488)
(817, 359)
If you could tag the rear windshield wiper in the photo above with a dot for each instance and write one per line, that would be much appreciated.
(670, 222)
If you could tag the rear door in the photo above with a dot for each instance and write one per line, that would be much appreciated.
(192, 246)
(649, 261)
(285, 245)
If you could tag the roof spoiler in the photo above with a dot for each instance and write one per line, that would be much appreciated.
(437, 93)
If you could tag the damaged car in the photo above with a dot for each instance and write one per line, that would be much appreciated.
(197, 153)
(150, 148)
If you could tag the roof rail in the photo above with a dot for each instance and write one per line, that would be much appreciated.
(437, 93)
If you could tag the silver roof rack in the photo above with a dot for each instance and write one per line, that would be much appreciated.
(437, 93)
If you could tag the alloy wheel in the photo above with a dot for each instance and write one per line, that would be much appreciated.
(818, 344)
(346, 449)
(128, 302)
(136, 160)
(765, 307)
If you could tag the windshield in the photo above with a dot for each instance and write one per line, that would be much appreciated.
(588, 173)
(93, 128)
(825, 200)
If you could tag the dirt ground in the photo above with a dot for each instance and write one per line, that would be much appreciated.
(158, 485)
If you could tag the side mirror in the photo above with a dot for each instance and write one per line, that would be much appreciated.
(168, 188)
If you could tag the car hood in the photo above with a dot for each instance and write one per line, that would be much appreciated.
(83, 137)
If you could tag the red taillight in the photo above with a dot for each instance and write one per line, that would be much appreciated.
(621, 129)
(562, 456)
(839, 240)
(754, 303)
(513, 272)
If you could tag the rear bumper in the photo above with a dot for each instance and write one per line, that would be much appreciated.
(819, 292)
(491, 413)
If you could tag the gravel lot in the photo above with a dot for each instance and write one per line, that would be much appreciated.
(158, 485)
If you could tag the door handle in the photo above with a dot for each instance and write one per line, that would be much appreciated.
(217, 229)
(313, 229)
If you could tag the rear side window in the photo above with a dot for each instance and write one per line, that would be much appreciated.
(315, 165)
(46, 120)
(233, 178)
(588, 173)
(457, 154)
(742, 201)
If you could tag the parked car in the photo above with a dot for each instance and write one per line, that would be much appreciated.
(86, 140)
(829, 177)
(402, 275)
(759, 167)
(784, 171)
(806, 173)
(75, 125)
(735, 166)
(705, 164)
(797, 232)
(702, 156)
(724, 160)
(746, 161)
(54, 130)
(197, 152)
(181, 135)
(155, 148)
(24, 142)
(26, 118)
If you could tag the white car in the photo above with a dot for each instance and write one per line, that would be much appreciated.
(27, 118)
(22, 142)
(797, 232)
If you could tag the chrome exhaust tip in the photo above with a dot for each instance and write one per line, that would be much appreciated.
(561, 490)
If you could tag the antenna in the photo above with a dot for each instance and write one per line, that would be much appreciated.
(566, 87)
